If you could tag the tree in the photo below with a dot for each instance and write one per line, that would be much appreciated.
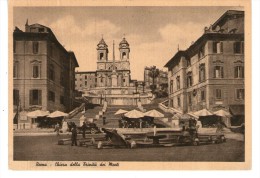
(153, 73)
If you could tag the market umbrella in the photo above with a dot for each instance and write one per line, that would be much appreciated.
(134, 114)
(186, 117)
(38, 113)
(193, 115)
(58, 114)
(222, 113)
(203, 112)
(153, 113)
(121, 111)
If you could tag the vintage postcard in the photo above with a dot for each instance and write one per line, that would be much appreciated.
(130, 85)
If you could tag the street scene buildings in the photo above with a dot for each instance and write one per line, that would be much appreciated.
(210, 73)
(196, 97)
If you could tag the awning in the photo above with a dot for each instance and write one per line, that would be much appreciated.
(237, 109)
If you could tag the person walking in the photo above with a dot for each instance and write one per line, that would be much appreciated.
(74, 135)
(57, 129)
(84, 127)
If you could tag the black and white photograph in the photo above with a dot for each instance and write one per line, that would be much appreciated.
(100, 87)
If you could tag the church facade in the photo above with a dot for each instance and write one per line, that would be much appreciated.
(110, 72)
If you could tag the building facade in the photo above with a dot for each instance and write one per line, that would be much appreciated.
(105, 67)
(85, 80)
(210, 73)
(43, 70)
(102, 77)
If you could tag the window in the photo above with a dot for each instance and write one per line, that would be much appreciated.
(218, 94)
(179, 101)
(239, 47)
(51, 96)
(101, 56)
(240, 94)
(171, 86)
(189, 99)
(202, 95)
(201, 51)
(36, 72)
(16, 97)
(202, 76)
(239, 72)
(86, 77)
(62, 100)
(35, 47)
(188, 62)
(35, 97)
(51, 72)
(178, 82)
(189, 79)
(123, 55)
(86, 82)
(123, 80)
(218, 72)
(15, 70)
(217, 47)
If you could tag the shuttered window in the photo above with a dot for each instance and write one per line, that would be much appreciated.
(239, 72)
(35, 47)
(35, 97)
(218, 94)
(218, 72)
(16, 97)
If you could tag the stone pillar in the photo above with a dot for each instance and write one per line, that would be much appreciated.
(114, 79)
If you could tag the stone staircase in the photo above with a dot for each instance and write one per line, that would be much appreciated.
(112, 120)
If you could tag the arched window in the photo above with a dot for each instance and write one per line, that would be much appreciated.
(101, 56)
(124, 55)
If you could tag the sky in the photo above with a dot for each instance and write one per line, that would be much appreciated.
(154, 33)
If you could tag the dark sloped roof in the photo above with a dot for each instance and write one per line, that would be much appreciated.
(124, 42)
(102, 42)
(225, 16)
(175, 57)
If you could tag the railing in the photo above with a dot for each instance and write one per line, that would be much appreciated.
(168, 109)
(76, 110)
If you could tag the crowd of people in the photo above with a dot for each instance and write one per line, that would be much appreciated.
(135, 123)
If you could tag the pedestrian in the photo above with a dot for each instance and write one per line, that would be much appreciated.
(84, 127)
(57, 129)
(104, 120)
(74, 135)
